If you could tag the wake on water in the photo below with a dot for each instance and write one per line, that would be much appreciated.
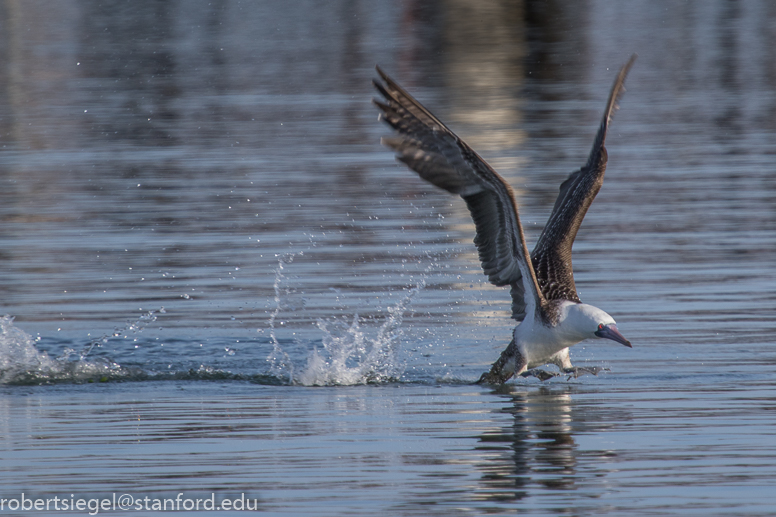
(22, 363)
(353, 350)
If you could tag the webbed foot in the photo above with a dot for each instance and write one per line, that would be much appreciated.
(542, 375)
(494, 376)
(575, 371)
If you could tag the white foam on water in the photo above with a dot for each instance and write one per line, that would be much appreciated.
(18, 355)
(353, 350)
(358, 351)
(22, 363)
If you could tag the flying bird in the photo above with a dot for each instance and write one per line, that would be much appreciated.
(544, 297)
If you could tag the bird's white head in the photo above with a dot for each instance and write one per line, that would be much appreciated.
(592, 322)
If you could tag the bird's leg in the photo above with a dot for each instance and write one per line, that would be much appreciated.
(576, 371)
(508, 364)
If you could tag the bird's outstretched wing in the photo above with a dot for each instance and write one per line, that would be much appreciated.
(552, 255)
(429, 148)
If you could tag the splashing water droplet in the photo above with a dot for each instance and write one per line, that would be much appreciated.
(278, 359)
(349, 355)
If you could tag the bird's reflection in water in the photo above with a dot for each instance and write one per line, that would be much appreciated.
(538, 450)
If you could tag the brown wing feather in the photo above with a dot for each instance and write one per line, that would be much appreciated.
(440, 157)
(552, 255)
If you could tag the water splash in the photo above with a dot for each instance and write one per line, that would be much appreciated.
(280, 364)
(350, 355)
(22, 363)
(133, 327)
(18, 354)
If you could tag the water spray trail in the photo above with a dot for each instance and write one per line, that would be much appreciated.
(278, 358)
(133, 327)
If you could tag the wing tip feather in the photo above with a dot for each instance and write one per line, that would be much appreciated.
(618, 88)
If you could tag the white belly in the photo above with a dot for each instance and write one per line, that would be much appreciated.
(544, 348)
(541, 345)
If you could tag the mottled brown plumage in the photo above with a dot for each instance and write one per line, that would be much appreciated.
(439, 156)
(544, 297)
(551, 257)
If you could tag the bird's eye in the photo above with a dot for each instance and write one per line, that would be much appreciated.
(600, 326)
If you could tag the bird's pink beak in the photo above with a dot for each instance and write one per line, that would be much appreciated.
(611, 332)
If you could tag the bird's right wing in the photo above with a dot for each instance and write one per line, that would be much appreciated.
(440, 157)
(552, 254)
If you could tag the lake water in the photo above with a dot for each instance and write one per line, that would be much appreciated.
(219, 284)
